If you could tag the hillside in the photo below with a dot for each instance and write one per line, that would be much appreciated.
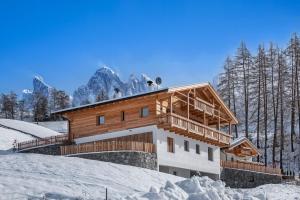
(32, 176)
(29, 128)
(7, 138)
(20, 131)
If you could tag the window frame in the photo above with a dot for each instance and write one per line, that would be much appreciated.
(98, 118)
(186, 145)
(122, 116)
(170, 145)
(142, 112)
(210, 154)
(197, 149)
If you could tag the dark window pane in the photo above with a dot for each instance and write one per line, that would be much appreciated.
(122, 116)
(186, 145)
(210, 154)
(170, 145)
(101, 120)
(144, 112)
(197, 149)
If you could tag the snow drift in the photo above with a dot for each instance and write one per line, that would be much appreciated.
(33, 176)
(203, 188)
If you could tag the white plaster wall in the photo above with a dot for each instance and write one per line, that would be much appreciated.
(117, 134)
(180, 159)
(183, 159)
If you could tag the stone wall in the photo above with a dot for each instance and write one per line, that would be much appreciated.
(246, 179)
(137, 159)
(48, 150)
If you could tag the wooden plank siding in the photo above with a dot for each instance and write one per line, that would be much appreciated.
(251, 166)
(84, 122)
(138, 142)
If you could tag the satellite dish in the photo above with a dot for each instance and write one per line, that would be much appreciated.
(117, 90)
(158, 80)
(150, 82)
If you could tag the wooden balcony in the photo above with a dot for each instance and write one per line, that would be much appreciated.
(207, 108)
(251, 166)
(58, 139)
(104, 146)
(193, 129)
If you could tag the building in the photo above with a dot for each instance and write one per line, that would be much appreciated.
(183, 128)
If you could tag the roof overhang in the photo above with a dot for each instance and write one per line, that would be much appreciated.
(243, 144)
(234, 120)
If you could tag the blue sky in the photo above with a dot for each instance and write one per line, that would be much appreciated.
(181, 41)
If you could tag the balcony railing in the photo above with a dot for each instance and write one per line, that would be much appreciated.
(58, 139)
(191, 126)
(250, 166)
(207, 108)
(103, 146)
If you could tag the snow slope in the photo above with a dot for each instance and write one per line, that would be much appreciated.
(32, 129)
(8, 136)
(32, 176)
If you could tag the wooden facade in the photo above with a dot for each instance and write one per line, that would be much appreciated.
(139, 142)
(242, 147)
(195, 111)
(251, 166)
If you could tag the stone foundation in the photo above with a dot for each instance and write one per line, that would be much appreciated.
(48, 150)
(235, 178)
(137, 159)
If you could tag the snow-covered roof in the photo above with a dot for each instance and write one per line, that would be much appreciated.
(28, 128)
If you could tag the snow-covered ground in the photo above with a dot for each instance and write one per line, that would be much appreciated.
(8, 136)
(25, 176)
(32, 176)
(27, 127)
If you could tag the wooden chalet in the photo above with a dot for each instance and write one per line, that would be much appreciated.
(194, 111)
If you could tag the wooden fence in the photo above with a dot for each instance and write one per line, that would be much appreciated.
(101, 146)
(58, 139)
(256, 167)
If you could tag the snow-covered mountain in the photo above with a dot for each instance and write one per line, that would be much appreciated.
(39, 87)
(105, 82)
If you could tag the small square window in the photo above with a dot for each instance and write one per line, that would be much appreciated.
(210, 153)
(197, 149)
(144, 112)
(122, 116)
(186, 145)
(100, 120)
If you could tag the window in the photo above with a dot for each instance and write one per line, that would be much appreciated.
(100, 120)
(170, 145)
(210, 154)
(122, 116)
(197, 149)
(144, 112)
(186, 145)
(174, 173)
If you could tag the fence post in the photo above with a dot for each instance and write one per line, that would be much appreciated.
(105, 193)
